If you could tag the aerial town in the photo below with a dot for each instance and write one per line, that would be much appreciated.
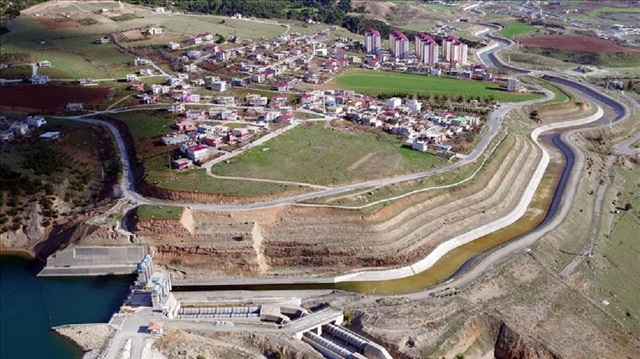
(319, 179)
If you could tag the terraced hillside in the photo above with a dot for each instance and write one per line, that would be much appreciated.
(298, 239)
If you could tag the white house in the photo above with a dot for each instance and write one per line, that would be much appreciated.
(415, 106)
(283, 87)
(140, 62)
(194, 54)
(36, 121)
(229, 115)
(198, 152)
(44, 63)
(39, 79)
(219, 86)
(195, 40)
(20, 128)
(394, 102)
(174, 139)
(177, 107)
(173, 45)
(49, 136)
(154, 31)
(7, 135)
(77, 106)
(419, 145)
(131, 77)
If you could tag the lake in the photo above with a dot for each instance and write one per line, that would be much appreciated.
(29, 306)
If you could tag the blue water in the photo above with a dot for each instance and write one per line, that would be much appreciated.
(29, 306)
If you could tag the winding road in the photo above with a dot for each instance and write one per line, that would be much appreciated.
(562, 200)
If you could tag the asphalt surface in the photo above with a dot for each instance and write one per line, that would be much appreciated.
(564, 193)
(127, 182)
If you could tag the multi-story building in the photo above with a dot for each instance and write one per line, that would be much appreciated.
(513, 84)
(372, 41)
(426, 49)
(398, 44)
(454, 50)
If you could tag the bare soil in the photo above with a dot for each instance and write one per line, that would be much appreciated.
(47, 97)
(57, 23)
(574, 43)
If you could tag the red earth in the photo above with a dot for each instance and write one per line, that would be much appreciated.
(48, 97)
(574, 43)
(59, 23)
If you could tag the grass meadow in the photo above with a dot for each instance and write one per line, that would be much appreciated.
(377, 82)
(515, 29)
(314, 154)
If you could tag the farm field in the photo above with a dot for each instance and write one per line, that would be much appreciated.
(496, 16)
(48, 98)
(147, 212)
(574, 43)
(318, 155)
(144, 125)
(197, 181)
(601, 59)
(533, 61)
(628, 10)
(515, 29)
(373, 83)
(104, 54)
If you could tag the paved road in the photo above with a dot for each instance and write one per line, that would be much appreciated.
(569, 149)
(127, 180)
(133, 328)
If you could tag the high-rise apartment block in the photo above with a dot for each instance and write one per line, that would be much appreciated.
(398, 44)
(426, 49)
(372, 41)
(454, 50)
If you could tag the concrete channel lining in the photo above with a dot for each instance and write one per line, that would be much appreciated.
(467, 237)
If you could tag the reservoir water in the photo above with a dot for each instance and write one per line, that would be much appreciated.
(29, 306)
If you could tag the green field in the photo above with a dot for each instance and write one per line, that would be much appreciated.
(560, 95)
(515, 29)
(314, 154)
(601, 59)
(439, 7)
(613, 271)
(601, 10)
(198, 181)
(496, 16)
(146, 124)
(148, 212)
(377, 82)
(83, 46)
(533, 61)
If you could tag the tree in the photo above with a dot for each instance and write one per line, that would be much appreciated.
(344, 6)
(533, 114)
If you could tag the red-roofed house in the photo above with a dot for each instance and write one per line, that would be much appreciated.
(198, 152)
(283, 86)
(155, 327)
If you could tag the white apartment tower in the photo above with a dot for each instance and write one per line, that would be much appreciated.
(398, 44)
(426, 49)
(513, 84)
(372, 41)
(454, 50)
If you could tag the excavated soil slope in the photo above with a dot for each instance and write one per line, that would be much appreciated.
(322, 241)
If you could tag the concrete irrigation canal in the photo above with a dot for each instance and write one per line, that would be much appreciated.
(543, 205)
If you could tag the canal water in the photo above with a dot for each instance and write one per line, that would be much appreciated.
(29, 306)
